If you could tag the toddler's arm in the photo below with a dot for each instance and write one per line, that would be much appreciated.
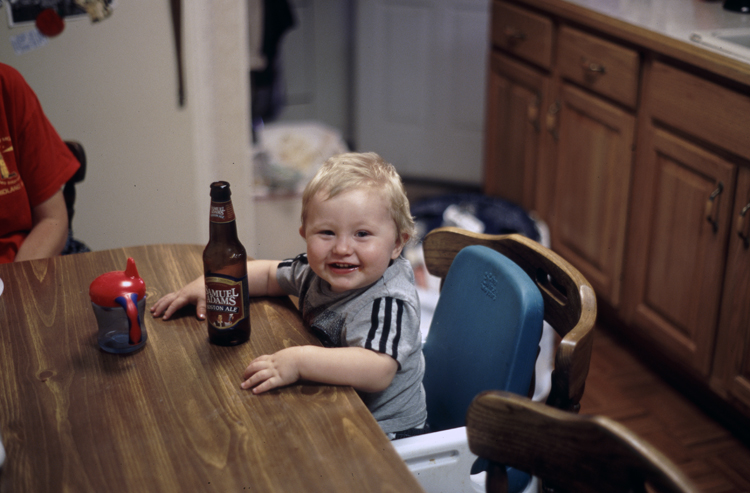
(261, 281)
(363, 369)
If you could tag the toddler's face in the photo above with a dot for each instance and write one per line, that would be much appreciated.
(351, 238)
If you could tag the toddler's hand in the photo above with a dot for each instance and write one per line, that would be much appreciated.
(194, 293)
(270, 371)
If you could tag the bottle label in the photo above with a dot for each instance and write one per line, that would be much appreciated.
(226, 300)
(222, 212)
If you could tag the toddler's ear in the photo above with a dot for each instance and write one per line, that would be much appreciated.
(400, 244)
(302, 232)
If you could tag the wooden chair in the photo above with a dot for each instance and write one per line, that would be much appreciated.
(575, 453)
(569, 300)
(69, 193)
(569, 306)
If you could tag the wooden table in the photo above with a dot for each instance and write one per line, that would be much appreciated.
(171, 417)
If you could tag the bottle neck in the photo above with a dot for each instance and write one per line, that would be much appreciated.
(222, 220)
(222, 230)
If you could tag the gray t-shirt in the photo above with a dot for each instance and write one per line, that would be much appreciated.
(383, 317)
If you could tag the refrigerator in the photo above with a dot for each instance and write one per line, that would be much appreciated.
(113, 85)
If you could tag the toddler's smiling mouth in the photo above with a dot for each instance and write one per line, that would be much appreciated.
(343, 266)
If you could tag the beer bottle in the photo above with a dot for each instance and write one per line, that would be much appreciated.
(225, 269)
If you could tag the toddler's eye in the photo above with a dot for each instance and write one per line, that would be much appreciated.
(326, 232)
(362, 234)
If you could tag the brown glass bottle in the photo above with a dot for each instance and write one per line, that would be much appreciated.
(225, 270)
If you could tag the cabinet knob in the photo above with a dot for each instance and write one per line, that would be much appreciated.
(552, 112)
(710, 209)
(593, 67)
(513, 34)
(532, 112)
(741, 227)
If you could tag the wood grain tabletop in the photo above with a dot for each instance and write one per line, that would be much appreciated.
(172, 416)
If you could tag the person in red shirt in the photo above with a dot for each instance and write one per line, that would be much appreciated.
(35, 164)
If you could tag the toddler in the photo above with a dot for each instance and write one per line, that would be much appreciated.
(356, 292)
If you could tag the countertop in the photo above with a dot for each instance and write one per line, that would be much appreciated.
(664, 27)
(676, 19)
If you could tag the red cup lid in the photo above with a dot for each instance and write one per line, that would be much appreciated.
(105, 288)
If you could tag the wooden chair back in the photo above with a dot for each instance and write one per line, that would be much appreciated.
(569, 300)
(69, 191)
(574, 453)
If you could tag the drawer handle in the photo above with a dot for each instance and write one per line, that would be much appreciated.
(741, 226)
(552, 112)
(514, 35)
(710, 210)
(593, 67)
(532, 112)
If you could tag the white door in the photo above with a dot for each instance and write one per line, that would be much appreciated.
(420, 85)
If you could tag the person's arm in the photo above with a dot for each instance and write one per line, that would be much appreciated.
(49, 231)
(261, 281)
(363, 369)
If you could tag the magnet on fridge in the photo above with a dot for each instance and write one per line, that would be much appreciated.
(50, 23)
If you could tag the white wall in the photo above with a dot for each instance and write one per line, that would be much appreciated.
(113, 86)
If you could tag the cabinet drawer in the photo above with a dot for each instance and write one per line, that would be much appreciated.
(599, 65)
(522, 33)
(702, 108)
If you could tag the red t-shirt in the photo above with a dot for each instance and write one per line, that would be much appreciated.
(34, 161)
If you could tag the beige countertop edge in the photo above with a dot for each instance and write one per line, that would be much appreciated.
(656, 42)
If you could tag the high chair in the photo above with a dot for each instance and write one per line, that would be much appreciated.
(496, 291)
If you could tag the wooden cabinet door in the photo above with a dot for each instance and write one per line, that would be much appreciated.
(731, 376)
(682, 210)
(515, 98)
(592, 183)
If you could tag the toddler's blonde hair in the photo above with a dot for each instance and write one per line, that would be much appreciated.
(359, 170)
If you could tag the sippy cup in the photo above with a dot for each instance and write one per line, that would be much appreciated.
(119, 302)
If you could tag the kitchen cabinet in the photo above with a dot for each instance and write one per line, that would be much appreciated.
(592, 183)
(731, 376)
(634, 149)
(678, 263)
(597, 91)
(516, 96)
(518, 91)
(568, 156)
(523, 33)
(685, 184)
